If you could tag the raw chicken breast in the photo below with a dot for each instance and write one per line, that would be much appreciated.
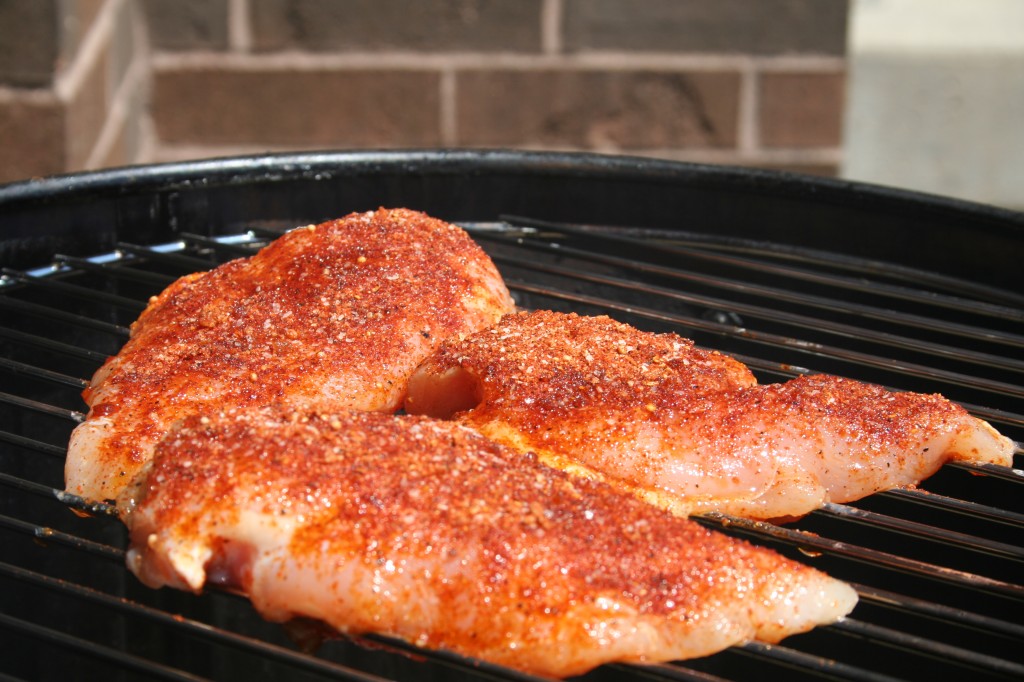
(427, 531)
(334, 316)
(687, 429)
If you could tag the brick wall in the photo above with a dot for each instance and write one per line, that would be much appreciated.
(73, 86)
(91, 83)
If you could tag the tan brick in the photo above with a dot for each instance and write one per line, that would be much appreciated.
(423, 25)
(720, 26)
(284, 107)
(33, 135)
(801, 109)
(597, 110)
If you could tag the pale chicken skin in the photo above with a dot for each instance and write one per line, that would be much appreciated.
(333, 316)
(425, 530)
(687, 429)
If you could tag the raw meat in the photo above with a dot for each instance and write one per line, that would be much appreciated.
(331, 316)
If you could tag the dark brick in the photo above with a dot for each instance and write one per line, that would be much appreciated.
(29, 42)
(801, 109)
(364, 108)
(424, 25)
(187, 24)
(598, 110)
(33, 135)
(723, 26)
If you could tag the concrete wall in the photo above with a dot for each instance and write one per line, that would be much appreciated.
(936, 97)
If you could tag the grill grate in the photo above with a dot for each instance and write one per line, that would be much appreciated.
(937, 569)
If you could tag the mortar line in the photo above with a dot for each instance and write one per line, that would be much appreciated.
(97, 38)
(449, 122)
(748, 136)
(117, 116)
(290, 60)
(239, 26)
(551, 13)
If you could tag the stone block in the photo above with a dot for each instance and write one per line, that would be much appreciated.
(398, 25)
(29, 42)
(257, 107)
(599, 110)
(801, 109)
(32, 129)
(760, 27)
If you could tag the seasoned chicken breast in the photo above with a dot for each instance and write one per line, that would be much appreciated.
(333, 316)
(427, 531)
(688, 429)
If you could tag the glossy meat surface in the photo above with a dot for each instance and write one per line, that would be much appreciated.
(426, 531)
(687, 429)
(333, 316)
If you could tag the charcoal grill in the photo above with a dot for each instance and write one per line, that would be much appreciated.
(789, 273)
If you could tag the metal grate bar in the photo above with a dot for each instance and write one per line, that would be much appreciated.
(946, 653)
(981, 623)
(120, 268)
(994, 470)
(69, 500)
(231, 249)
(40, 373)
(952, 504)
(49, 312)
(453, 660)
(805, 540)
(920, 530)
(56, 346)
(902, 318)
(664, 671)
(71, 415)
(130, 264)
(192, 627)
(150, 669)
(776, 341)
(799, 660)
(66, 539)
(75, 290)
(859, 286)
(797, 320)
(177, 260)
(805, 256)
(995, 416)
(31, 444)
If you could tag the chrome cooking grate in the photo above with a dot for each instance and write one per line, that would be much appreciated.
(937, 569)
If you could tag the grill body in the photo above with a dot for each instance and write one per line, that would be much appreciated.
(790, 274)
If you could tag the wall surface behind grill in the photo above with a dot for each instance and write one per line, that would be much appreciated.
(93, 83)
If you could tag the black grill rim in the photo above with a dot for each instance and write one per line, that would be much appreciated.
(171, 185)
(521, 181)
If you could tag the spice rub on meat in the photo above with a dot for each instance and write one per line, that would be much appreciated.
(332, 316)
(687, 429)
(427, 531)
